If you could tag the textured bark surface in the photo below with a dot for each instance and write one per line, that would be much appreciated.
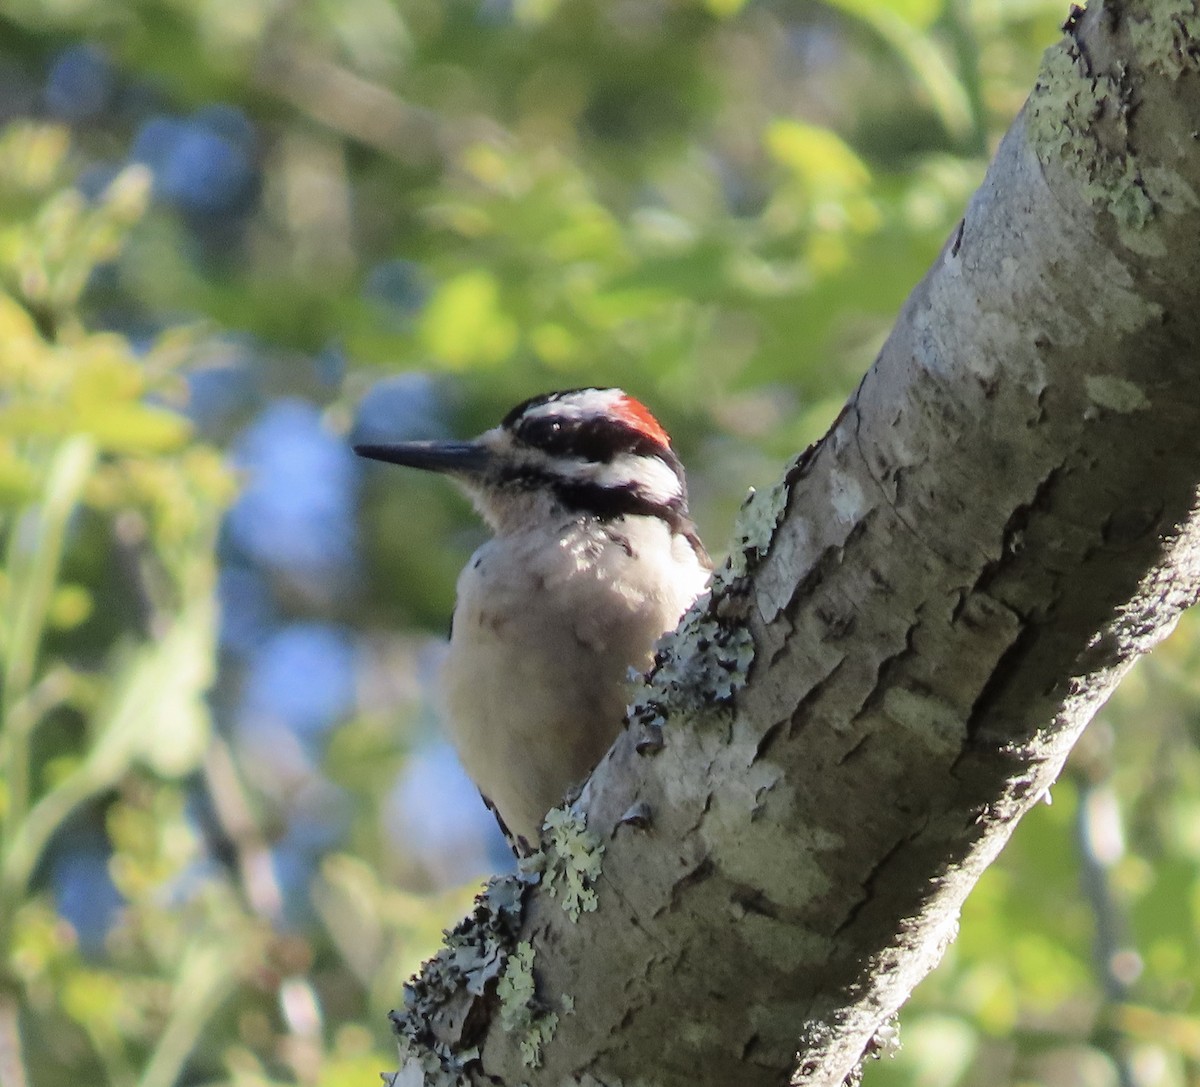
(1002, 518)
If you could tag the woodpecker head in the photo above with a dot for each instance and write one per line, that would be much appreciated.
(596, 452)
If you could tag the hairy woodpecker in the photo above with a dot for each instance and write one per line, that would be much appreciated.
(592, 558)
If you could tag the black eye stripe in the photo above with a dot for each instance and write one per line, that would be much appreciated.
(599, 440)
(606, 503)
(603, 503)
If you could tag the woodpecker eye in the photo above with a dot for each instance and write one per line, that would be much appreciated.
(598, 439)
(545, 434)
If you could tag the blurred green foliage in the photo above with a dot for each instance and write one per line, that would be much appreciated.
(718, 204)
(103, 686)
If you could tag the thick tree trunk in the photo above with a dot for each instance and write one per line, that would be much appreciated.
(924, 615)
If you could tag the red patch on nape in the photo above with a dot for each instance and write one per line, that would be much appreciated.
(638, 416)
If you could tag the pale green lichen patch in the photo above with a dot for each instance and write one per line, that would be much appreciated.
(701, 665)
(1081, 119)
(517, 988)
(756, 524)
(1168, 189)
(705, 665)
(1115, 393)
(521, 1013)
(1167, 37)
(443, 994)
(573, 856)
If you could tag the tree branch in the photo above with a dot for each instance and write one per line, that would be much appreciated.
(916, 624)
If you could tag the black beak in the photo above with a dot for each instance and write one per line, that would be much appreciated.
(455, 458)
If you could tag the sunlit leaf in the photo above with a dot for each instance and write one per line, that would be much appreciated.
(917, 13)
(724, 8)
(104, 372)
(553, 344)
(125, 428)
(465, 323)
(817, 156)
(353, 1071)
(18, 478)
(23, 347)
(69, 606)
(135, 428)
(32, 155)
(93, 997)
(40, 942)
(160, 711)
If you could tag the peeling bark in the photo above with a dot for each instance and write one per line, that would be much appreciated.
(937, 597)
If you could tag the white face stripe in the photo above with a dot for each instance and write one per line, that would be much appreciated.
(588, 404)
(650, 477)
(654, 480)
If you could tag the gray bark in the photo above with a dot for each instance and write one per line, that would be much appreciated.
(894, 668)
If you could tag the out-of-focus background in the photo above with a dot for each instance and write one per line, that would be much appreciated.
(236, 235)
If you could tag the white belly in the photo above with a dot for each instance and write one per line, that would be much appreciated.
(544, 634)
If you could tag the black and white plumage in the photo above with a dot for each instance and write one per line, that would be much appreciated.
(593, 557)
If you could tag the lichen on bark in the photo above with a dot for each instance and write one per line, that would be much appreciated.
(1166, 34)
(572, 860)
(1080, 117)
(449, 986)
(760, 515)
(520, 1011)
(1081, 111)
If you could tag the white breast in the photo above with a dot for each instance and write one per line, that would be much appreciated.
(545, 630)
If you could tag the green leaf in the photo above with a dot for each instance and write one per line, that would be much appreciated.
(116, 428)
(919, 14)
(465, 324)
(724, 9)
(18, 478)
(156, 712)
(136, 428)
(903, 25)
(818, 157)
